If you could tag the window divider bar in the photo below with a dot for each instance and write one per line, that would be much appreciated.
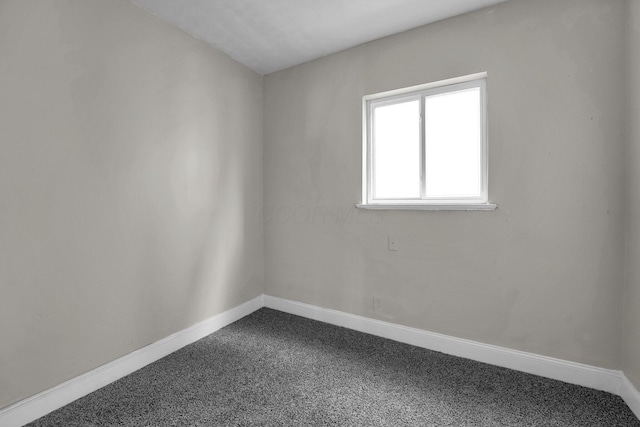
(423, 148)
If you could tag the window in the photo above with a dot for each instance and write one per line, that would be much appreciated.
(425, 147)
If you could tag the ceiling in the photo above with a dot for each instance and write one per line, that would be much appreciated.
(271, 35)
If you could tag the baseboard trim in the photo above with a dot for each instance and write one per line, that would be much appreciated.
(558, 369)
(630, 395)
(49, 400)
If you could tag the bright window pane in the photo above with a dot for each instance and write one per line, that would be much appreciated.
(396, 151)
(453, 154)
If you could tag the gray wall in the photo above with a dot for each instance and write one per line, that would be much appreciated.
(130, 178)
(631, 337)
(543, 273)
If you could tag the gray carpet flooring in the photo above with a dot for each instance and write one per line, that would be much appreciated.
(275, 369)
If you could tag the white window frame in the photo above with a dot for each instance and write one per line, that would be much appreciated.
(420, 92)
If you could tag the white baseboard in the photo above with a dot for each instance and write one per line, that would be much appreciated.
(41, 404)
(630, 395)
(49, 400)
(574, 373)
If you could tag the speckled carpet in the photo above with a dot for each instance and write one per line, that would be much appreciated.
(275, 369)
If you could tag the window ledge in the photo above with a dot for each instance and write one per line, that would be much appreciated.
(431, 207)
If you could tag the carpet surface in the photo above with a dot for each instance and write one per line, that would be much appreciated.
(276, 369)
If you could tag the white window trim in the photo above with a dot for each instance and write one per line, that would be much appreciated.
(473, 80)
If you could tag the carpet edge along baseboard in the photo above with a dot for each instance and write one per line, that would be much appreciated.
(37, 406)
(611, 381)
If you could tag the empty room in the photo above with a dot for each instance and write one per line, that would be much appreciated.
(304, 212)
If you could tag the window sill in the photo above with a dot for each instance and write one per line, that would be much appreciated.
(433, 207)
